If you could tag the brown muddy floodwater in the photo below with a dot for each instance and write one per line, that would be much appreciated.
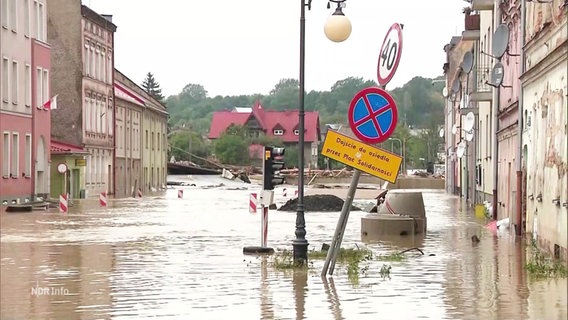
(164, 257)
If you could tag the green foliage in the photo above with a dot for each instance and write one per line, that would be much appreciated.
(396, 256)
(543, 266)
(291, 157)
(420, 105)
(232, 149)
(350, 257)
(179, 143)
(152, 87)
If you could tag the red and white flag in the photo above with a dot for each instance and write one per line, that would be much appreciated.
(51, 104)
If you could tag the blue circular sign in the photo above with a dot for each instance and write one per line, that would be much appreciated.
(372, 115)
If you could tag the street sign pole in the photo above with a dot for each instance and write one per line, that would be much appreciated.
(335, 246)
(340, 229)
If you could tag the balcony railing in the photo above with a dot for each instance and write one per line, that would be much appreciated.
(482, 76)
(480, 90)
(472, 22)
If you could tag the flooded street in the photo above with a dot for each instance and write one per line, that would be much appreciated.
(165, 257)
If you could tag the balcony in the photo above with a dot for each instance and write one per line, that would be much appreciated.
(481, 91)
(482, 5)
(472, 22)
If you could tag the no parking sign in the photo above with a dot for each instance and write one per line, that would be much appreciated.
(372, 115)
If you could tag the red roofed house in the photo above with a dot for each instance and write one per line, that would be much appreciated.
(283, 125)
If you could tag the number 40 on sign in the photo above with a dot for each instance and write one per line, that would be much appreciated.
(390, 53)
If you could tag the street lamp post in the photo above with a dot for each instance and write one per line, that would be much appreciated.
(337, 29)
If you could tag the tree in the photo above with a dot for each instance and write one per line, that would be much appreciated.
(232, 149)
(152, 87)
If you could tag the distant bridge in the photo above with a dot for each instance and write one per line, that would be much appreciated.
(182, 168)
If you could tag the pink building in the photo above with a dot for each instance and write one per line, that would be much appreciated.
(507, 128)
(24, 125)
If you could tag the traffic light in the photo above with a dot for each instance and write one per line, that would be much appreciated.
(273, 163)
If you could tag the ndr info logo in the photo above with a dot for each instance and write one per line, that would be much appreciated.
(49, 291)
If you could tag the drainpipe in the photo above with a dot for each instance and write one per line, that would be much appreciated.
(520, 125)
(495, 120)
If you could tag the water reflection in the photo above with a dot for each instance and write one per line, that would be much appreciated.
(173, 258)
(332, 298)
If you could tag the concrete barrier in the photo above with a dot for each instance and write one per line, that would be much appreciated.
(401, 214)
(403, 182)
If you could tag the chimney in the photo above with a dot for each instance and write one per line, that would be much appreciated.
(108, 17)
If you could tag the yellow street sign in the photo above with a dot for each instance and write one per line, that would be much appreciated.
(361, 156)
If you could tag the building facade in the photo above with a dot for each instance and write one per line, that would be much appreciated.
(508, 16)
(545, 118)
(129, 110)
(520, 152)
(25, 86)
(83, 64)
(155, 144)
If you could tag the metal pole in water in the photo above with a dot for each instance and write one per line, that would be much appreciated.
(341, 224)
(264, 227)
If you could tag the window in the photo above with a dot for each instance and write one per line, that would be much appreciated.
(15, 82)
(45, 86)
(103, 116)
(296, 132)
(97, 115)
(146, 142)
(103, 66)
(92, 60)
(109, 68)
(5, 79)
(15, 155)
(39, 90)
(26, 18)
(28, 89)
(110, 116)
(152, 141)
(28, 164)
(4, 12)
(99, 63)
(87, 110)
(86, 59)
(40, 22)
(6, 155)
(13, 17)
(487, 135)
(278, 132)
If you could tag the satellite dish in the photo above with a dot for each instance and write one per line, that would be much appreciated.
(454, 129)
(500, 40)
(456, 86)
(441, 133)
(445, 92)
(469, 120)
(460, 150)
(467, 63)
(497, 74)
(469, 135)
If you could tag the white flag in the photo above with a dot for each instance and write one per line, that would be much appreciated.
(51, 104)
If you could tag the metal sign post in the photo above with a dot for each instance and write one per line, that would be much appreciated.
(341, 224)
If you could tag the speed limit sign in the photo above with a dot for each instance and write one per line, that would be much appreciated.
(389, 56)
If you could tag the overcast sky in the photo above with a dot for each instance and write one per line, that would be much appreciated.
(234, 47)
